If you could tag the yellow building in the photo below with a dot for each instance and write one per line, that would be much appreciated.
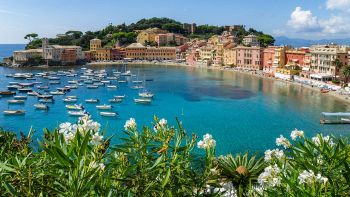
(230, 56)
(101, 54)
(149, 35)
(95, 44)
(140, 52)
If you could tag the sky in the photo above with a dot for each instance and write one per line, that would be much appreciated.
(310, 19)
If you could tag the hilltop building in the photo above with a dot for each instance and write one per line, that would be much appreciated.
(251, 40)
(149, 35)
(190, 28)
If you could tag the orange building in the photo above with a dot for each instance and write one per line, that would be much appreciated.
(296, 57)
(69, 56)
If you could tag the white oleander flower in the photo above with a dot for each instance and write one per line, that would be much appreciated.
(102, 166)
(93, 165)
(160, 125)
(321, 179)
(270, 177)
(163, 122)
(130, 124)
(65, 127)
(308, 177)
(206, 142)
(68, 137)
(84, 119)
(269, 154)
(96, 139)
(296, 133)
(326, 139)
(282, 141)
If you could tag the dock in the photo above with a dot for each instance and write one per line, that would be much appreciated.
(335, 118)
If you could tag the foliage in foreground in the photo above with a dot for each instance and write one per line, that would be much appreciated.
(76, 160)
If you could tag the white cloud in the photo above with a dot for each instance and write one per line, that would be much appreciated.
(279, 32)
(343, 5)
(3, 11)
(335, 25)
(303, 20)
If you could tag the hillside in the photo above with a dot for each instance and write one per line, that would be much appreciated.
(297, 42)
(125, 34)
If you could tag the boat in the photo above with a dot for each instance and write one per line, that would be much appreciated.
(69, 100)
(57, 93)
(92, 86)
(74, 107)
(142, 101)
(104, 106)
(73, 82)
(20, 97)
(41, 106)
(149, 79)
(119, 96)
(126, 73)
(77, 113)
(98, 84)
(14, 112)
(25, 90)
(53, 78)
(13, 87)
(72, 97)
(54, 82)
(45, 96)
(115, 100)
(122, 81)
(9, 75)
(92, 100)
(146, 95)
(46, 100)
(15, 101)
(108, 114)
(26, 84)
(112, 86)
(7, 93)
(42, 87)
(33, 93)
(324, 90)
(135, 87)
(106, 82)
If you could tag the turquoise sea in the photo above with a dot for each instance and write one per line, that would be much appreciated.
(242, 112)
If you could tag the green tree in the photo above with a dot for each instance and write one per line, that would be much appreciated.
(74, 34)
(337, 65)
(266, 40)
(345, 73)
(31, 36)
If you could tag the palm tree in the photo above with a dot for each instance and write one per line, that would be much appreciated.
(337, 64)
(345, 72)
(241, 170)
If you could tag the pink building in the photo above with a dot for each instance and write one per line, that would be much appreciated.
(268, 57)
(250, 58)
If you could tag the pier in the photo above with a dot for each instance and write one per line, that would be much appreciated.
(335, 118)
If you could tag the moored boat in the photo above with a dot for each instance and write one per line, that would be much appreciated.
(104, 106)
(41, 106)
(108, 114)
(7, 93)
(20, 97)
(92, 100)
(142, 101)
(115, 100)
(14, 112)
(15, 101)
(77, 113)
(74, 107)
(69, 100)
(146, 95)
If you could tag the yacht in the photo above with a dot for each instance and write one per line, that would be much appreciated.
(77, 113)
(146, 95)
(41, 106)
(142, 101)
(15, 101)
(92, 100)
(74, 107)
(20, 97)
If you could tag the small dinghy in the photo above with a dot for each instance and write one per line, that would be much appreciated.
(46, 100)
(15, 101)
(74, 107)
(112, 86)
(143, 101)
(119, 96)
(115, 100)
(77, 113)
(20, 97)
(146, 95)
(69, 100)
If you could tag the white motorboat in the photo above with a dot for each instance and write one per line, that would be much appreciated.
(122, 81)
(135, 87)
(146, 95)
(54, 82)
(104, 106)
(126, 73)
(106, 82)
(92, 100)
(69, 100)
(46, 100)
(92, 86)
(41, 106)
(115, 100)
(142, 101)
(77, 113)
(74, 107)
(33, 93)
(13, 87)
(25, 90)
(15, 101)
(20, 97)
(112, 86)
(43, 87)
(108, 114)
(14, 112)
(72, 97)
(57, 93)
(119, 96)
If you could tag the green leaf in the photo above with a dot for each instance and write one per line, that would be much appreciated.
(7, 168)
(10, 189)
(167, 176)
(156, 162)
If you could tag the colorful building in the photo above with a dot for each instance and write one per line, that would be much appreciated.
(118, 54)
(249, 58)
(323, 61)
(69, 56)
(23, 56)
(149, 35)
(251, 40)
(140, 52)
(230, 56)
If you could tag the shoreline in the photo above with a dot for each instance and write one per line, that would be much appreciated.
(334, 94)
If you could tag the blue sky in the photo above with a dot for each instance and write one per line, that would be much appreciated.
(293, 18)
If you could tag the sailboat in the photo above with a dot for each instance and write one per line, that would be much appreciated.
(137, 81)
(145, 93)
